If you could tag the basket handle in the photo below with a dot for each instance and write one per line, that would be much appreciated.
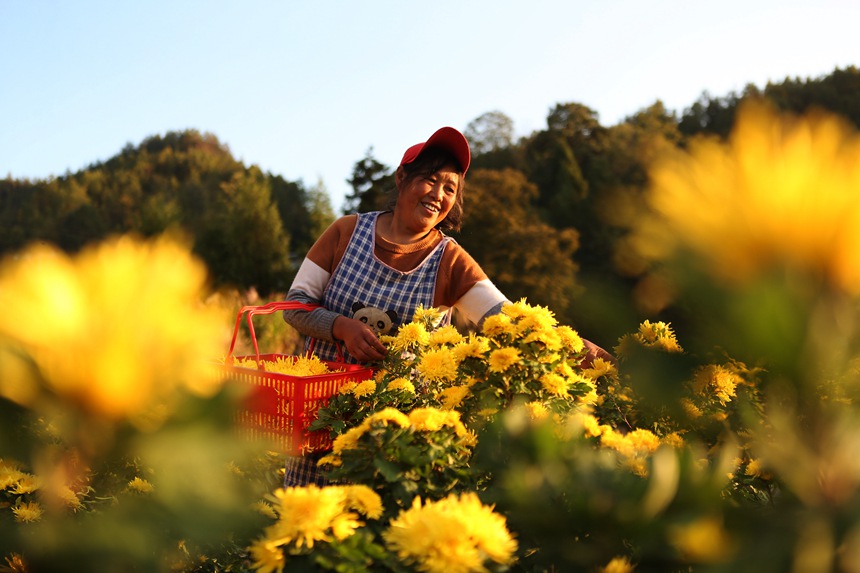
(270, 308)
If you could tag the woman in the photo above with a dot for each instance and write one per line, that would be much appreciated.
(371, 271)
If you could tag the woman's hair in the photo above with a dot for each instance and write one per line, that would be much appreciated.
(429, 162)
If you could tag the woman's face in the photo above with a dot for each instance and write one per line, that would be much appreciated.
(425, 200)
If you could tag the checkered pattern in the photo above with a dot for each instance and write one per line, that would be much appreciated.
(303, 470)
(362, 277)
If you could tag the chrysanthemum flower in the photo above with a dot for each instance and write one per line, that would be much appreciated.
(548, 337)
(116, 329)
(27, 483)
(570, 338)
(140, 485)
(503, 358)
(306, 515)
(472, 347)
(437, 364)
(27, 512)
(537, 411)
(410, 335)
(703, 540)
(428, 315)
(365, 388)
(782, 191)
(445, 335)
(387, 416)
(452, 396)
(267, 556)
(453, 535)
(618, 565)
(401, 384)
(498, 325)
(265, 509)
(554, 384)
(348, 440)
(433, 420)
(365, 500)
(347, 387)
(600, 367)
(719, 379)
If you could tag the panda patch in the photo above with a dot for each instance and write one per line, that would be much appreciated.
(379, 320)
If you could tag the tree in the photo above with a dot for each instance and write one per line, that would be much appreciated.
(371, 183)
(320, 212)
(244, 243)
(490, 132)
(523, 256)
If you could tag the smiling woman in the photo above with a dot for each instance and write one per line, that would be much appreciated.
(389, 264)
(395, 261)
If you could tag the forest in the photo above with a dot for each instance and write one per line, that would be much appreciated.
(545, 213)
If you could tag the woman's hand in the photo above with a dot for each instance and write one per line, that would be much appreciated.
(595, 351)
(360, 340)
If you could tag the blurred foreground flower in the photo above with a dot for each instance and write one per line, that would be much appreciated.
(454, 535)
(116, 329)
(781, 192)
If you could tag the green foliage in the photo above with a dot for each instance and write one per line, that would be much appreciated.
(372, 184)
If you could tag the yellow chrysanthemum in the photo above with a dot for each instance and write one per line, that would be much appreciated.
(703, 540)
(516, 310)
(27, 483)
(10, 474)
(401, 384)
(428, 315)
(548, 337)
(445, 335)
(503, 358)
(306, 515)
(267, 556)
(365, 388)
(140, 485)
(265, 509)
(387, 416)
(433, 420)
(347, 387)
(718, 379)
(472, 347)
(453, 396)
(537, 411)
(498, 325)
(27, 512)
(782, 192)
(130, 311)
(690, 409)
(618, 565)
(348, 440)
(437, 364)
(570, 338)
(365, 500)
(554, 384)
(600, 367)
(410, 335)
(674, 439)
(66, 496)
(452, 535)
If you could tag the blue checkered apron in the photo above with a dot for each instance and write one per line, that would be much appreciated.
(361, 277)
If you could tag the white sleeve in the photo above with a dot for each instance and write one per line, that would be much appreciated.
(311, 279)
(479, 300)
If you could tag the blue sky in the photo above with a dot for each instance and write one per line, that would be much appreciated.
(304, 88)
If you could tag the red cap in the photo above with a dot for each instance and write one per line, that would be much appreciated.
(447, 138)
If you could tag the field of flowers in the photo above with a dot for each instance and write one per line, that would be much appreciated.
(735, 447)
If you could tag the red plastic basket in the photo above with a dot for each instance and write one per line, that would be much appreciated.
(280, 406)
